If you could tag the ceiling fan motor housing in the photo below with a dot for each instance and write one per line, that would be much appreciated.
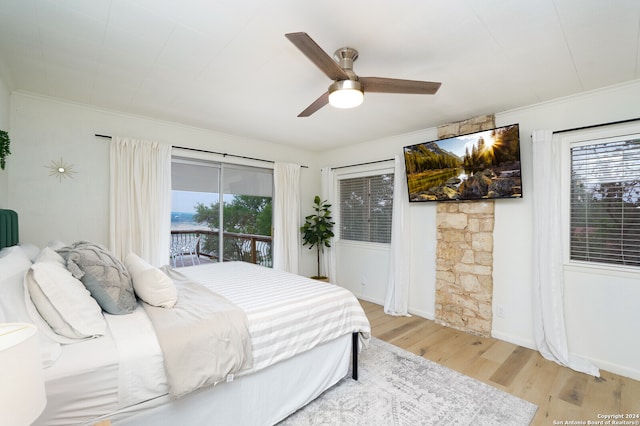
(345, 57)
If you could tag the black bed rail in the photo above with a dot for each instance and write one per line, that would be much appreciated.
(354, 350)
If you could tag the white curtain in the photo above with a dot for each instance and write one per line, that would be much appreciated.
(397, 299)
(548, 298)
(329, 253)
(286, 217)
(140, 199)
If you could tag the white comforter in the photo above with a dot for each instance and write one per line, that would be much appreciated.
(287, 314)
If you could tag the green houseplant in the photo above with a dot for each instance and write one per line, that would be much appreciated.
(4, 148)
(317, 229)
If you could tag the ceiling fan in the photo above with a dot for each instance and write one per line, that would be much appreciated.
(347, 89)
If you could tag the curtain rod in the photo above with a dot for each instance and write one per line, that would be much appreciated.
(224, 154)
(362, 164)
(596, 125)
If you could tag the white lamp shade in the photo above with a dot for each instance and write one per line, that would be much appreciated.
(345, 94)
(22, 394)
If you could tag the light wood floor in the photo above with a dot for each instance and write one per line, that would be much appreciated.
(560, 393)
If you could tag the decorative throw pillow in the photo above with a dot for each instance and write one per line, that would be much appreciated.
(63, 302)
(106, 277)
(150, 283)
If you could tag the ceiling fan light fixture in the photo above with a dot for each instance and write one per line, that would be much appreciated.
(346, 94)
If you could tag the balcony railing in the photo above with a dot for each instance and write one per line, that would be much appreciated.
(245, 247)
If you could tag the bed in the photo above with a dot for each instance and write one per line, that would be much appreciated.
(303, 336)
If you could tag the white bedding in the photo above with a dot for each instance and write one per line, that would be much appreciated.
(204, 337)
(102, 375)
(250, 400)
(287, 315)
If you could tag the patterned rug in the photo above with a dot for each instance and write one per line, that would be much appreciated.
(396, 387)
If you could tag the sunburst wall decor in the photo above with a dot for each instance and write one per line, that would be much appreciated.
(60, 169)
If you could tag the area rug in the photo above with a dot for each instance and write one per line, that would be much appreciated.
(398, 388)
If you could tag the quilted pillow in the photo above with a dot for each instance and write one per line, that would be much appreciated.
(150, 283)
(63, 302)
(106, 277)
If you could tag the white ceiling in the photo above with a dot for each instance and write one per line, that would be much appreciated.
(225, 65)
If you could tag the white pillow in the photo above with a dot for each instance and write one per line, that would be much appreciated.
(31, 250)
(56, 245)
(63, 302)
(14, 264)
(49, 255)
(150, 283)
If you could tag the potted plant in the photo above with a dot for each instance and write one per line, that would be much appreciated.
(4, 148)
(316, 231)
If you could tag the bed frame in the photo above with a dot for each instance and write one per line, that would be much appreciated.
(8, 228)
(354, 351)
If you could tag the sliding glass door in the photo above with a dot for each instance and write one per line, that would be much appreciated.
(200, 189)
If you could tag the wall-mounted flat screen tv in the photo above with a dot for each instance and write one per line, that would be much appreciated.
(475, 166)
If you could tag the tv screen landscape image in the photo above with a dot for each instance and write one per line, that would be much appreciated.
(475, 166)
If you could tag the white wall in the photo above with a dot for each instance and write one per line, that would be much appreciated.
(45, 129)
(5, 98)
(601, 309)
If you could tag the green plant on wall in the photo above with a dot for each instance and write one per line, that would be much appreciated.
(316, 231)
(4, 148)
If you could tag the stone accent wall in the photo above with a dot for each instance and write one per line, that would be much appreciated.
(482, 122)
(464, 253)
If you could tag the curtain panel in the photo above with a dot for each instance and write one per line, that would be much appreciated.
(140, 199)
(397, 299)
(548, 283)
(329, 253)
(286, 217)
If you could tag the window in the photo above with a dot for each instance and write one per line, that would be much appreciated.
(366, 207)
(605, 201)
(206, 194)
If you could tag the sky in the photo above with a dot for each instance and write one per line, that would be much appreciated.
(185, 201)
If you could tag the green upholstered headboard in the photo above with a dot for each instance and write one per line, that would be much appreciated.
(8, 228)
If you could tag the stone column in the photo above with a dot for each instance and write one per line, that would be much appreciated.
(464, 266)
(464, 253)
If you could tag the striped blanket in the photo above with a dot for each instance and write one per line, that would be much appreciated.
(287, 314)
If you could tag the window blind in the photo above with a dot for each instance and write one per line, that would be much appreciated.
(605, 202)
(366, 208)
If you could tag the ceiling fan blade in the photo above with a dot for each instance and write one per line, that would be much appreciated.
(393, 85)
(318, 56)
(316, 105)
